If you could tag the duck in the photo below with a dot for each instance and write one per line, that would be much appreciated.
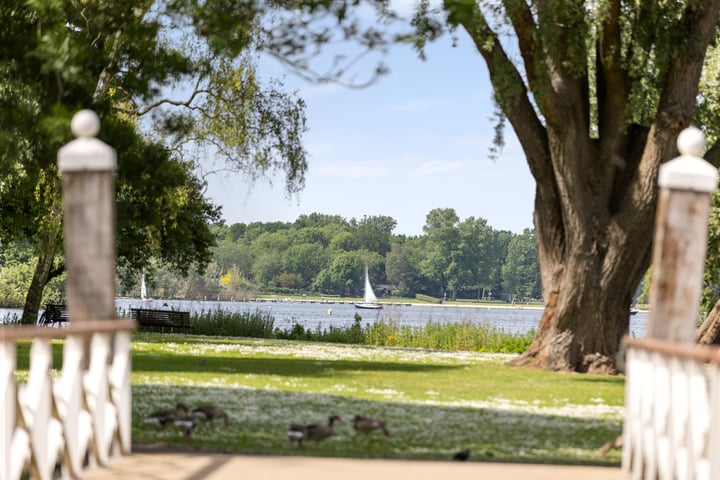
(186, 424)
(164, 417)
(462, 455)
(297, 433)
(210, 412)
(319, 431)
(364, 424)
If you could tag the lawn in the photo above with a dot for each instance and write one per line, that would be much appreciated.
(433, 402)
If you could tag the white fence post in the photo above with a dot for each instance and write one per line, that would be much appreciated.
(88, 167)
(686, 184)
(670, 429)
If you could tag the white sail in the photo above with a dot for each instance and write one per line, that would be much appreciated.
(143, 289)
(369, 293)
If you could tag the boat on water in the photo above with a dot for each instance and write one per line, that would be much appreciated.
(370, 301)
(143, 290)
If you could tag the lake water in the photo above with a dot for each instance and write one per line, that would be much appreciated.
(515, 320)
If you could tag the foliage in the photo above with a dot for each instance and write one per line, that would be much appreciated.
(124, 61)
(299, 257)
(233, 324)
(520, 272)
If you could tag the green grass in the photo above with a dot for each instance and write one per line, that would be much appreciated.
(434, 402)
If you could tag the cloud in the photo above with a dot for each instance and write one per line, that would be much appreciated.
(437, 167)
(418, 106)
(353, 171)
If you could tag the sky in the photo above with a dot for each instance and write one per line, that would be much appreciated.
(417, 140)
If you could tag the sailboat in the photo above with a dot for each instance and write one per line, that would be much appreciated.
(143, 290)
(369, 299)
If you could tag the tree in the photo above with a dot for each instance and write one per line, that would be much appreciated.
(440, 262)
(597, 95)
(521, 273)
(120, 59)
(474, 253)
(401, 269)
(597, 99)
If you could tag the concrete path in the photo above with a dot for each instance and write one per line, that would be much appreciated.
(191, 466)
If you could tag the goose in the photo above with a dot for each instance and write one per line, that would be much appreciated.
(319, 431)
(297, 433)
(210, 412)
(366, 425)
(186, 424)
(164, 417)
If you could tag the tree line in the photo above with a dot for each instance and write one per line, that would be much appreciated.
(326, 254)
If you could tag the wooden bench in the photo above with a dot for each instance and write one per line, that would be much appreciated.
(161, 319)
(54, 314)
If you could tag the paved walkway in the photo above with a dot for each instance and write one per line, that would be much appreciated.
(190, 466)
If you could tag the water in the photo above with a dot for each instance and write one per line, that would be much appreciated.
(513, 320)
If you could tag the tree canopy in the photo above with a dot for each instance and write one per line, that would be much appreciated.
(125, 60)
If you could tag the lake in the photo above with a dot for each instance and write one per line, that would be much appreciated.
(514, 320)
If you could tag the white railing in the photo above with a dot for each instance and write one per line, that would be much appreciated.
(69, 421)
(672, 418)
(672, 386)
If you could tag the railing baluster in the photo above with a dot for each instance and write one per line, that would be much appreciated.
(36, 412)
(70, 401)
(14, 441)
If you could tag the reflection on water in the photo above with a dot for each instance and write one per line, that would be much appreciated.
(322, 315)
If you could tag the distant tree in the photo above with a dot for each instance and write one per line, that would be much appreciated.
(402, 269)
(440, 263)
(474, 253)
(521, 272)
(237, 230)
(305, 260)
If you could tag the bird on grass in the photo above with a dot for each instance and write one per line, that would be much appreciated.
(210, 412)
(297, 433)
(186, 424)
(366, 425)
(319, 431)
(462, 455)
(164, 417)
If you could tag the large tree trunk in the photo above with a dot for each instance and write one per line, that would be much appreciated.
(595, 171)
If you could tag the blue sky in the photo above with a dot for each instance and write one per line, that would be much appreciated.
(417, 140)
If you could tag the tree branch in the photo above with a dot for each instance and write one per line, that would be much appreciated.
(677, 100)
(178, 103)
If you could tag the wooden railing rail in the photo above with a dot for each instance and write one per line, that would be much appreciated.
(65, 423)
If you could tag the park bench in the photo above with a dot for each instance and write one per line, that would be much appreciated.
(54, 314)
(161, 319)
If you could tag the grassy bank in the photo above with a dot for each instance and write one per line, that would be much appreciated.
(465, 336)
(434, 402)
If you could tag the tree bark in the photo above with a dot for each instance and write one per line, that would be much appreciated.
(46, 254)
(709, 331)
